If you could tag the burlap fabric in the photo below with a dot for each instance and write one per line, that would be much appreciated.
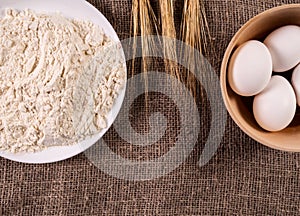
(243, 178)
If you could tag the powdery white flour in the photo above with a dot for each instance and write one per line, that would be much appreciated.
(59, 79)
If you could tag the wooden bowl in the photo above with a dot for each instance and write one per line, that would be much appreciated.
(240, 108)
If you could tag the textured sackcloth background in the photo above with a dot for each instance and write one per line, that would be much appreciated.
(243, 178)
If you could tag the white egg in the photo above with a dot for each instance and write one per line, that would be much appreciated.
(296, 82)
(284, 46)
(275, 107)
(250, 68)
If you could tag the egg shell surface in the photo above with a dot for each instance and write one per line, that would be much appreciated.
(296, 82)
(275, 107)
(250, 68)
(284, 46)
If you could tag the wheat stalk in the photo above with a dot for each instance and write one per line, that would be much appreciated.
(169, 31)
(148, 26)
(193, 32)
(135, 31)
(145, 23)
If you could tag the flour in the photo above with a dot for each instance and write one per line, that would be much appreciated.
(59, 79)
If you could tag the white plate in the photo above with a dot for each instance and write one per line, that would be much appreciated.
(79, 9)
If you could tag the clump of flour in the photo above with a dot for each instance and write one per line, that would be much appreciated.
(59, 79)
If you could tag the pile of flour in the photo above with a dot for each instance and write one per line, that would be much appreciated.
(59, 79)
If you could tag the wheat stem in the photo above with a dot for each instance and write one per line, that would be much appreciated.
(193, 33)
(145, 23)
(169, 31)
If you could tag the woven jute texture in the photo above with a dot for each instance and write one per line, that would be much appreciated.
(243, 178)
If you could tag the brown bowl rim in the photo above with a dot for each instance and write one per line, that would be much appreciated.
(223, 78)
